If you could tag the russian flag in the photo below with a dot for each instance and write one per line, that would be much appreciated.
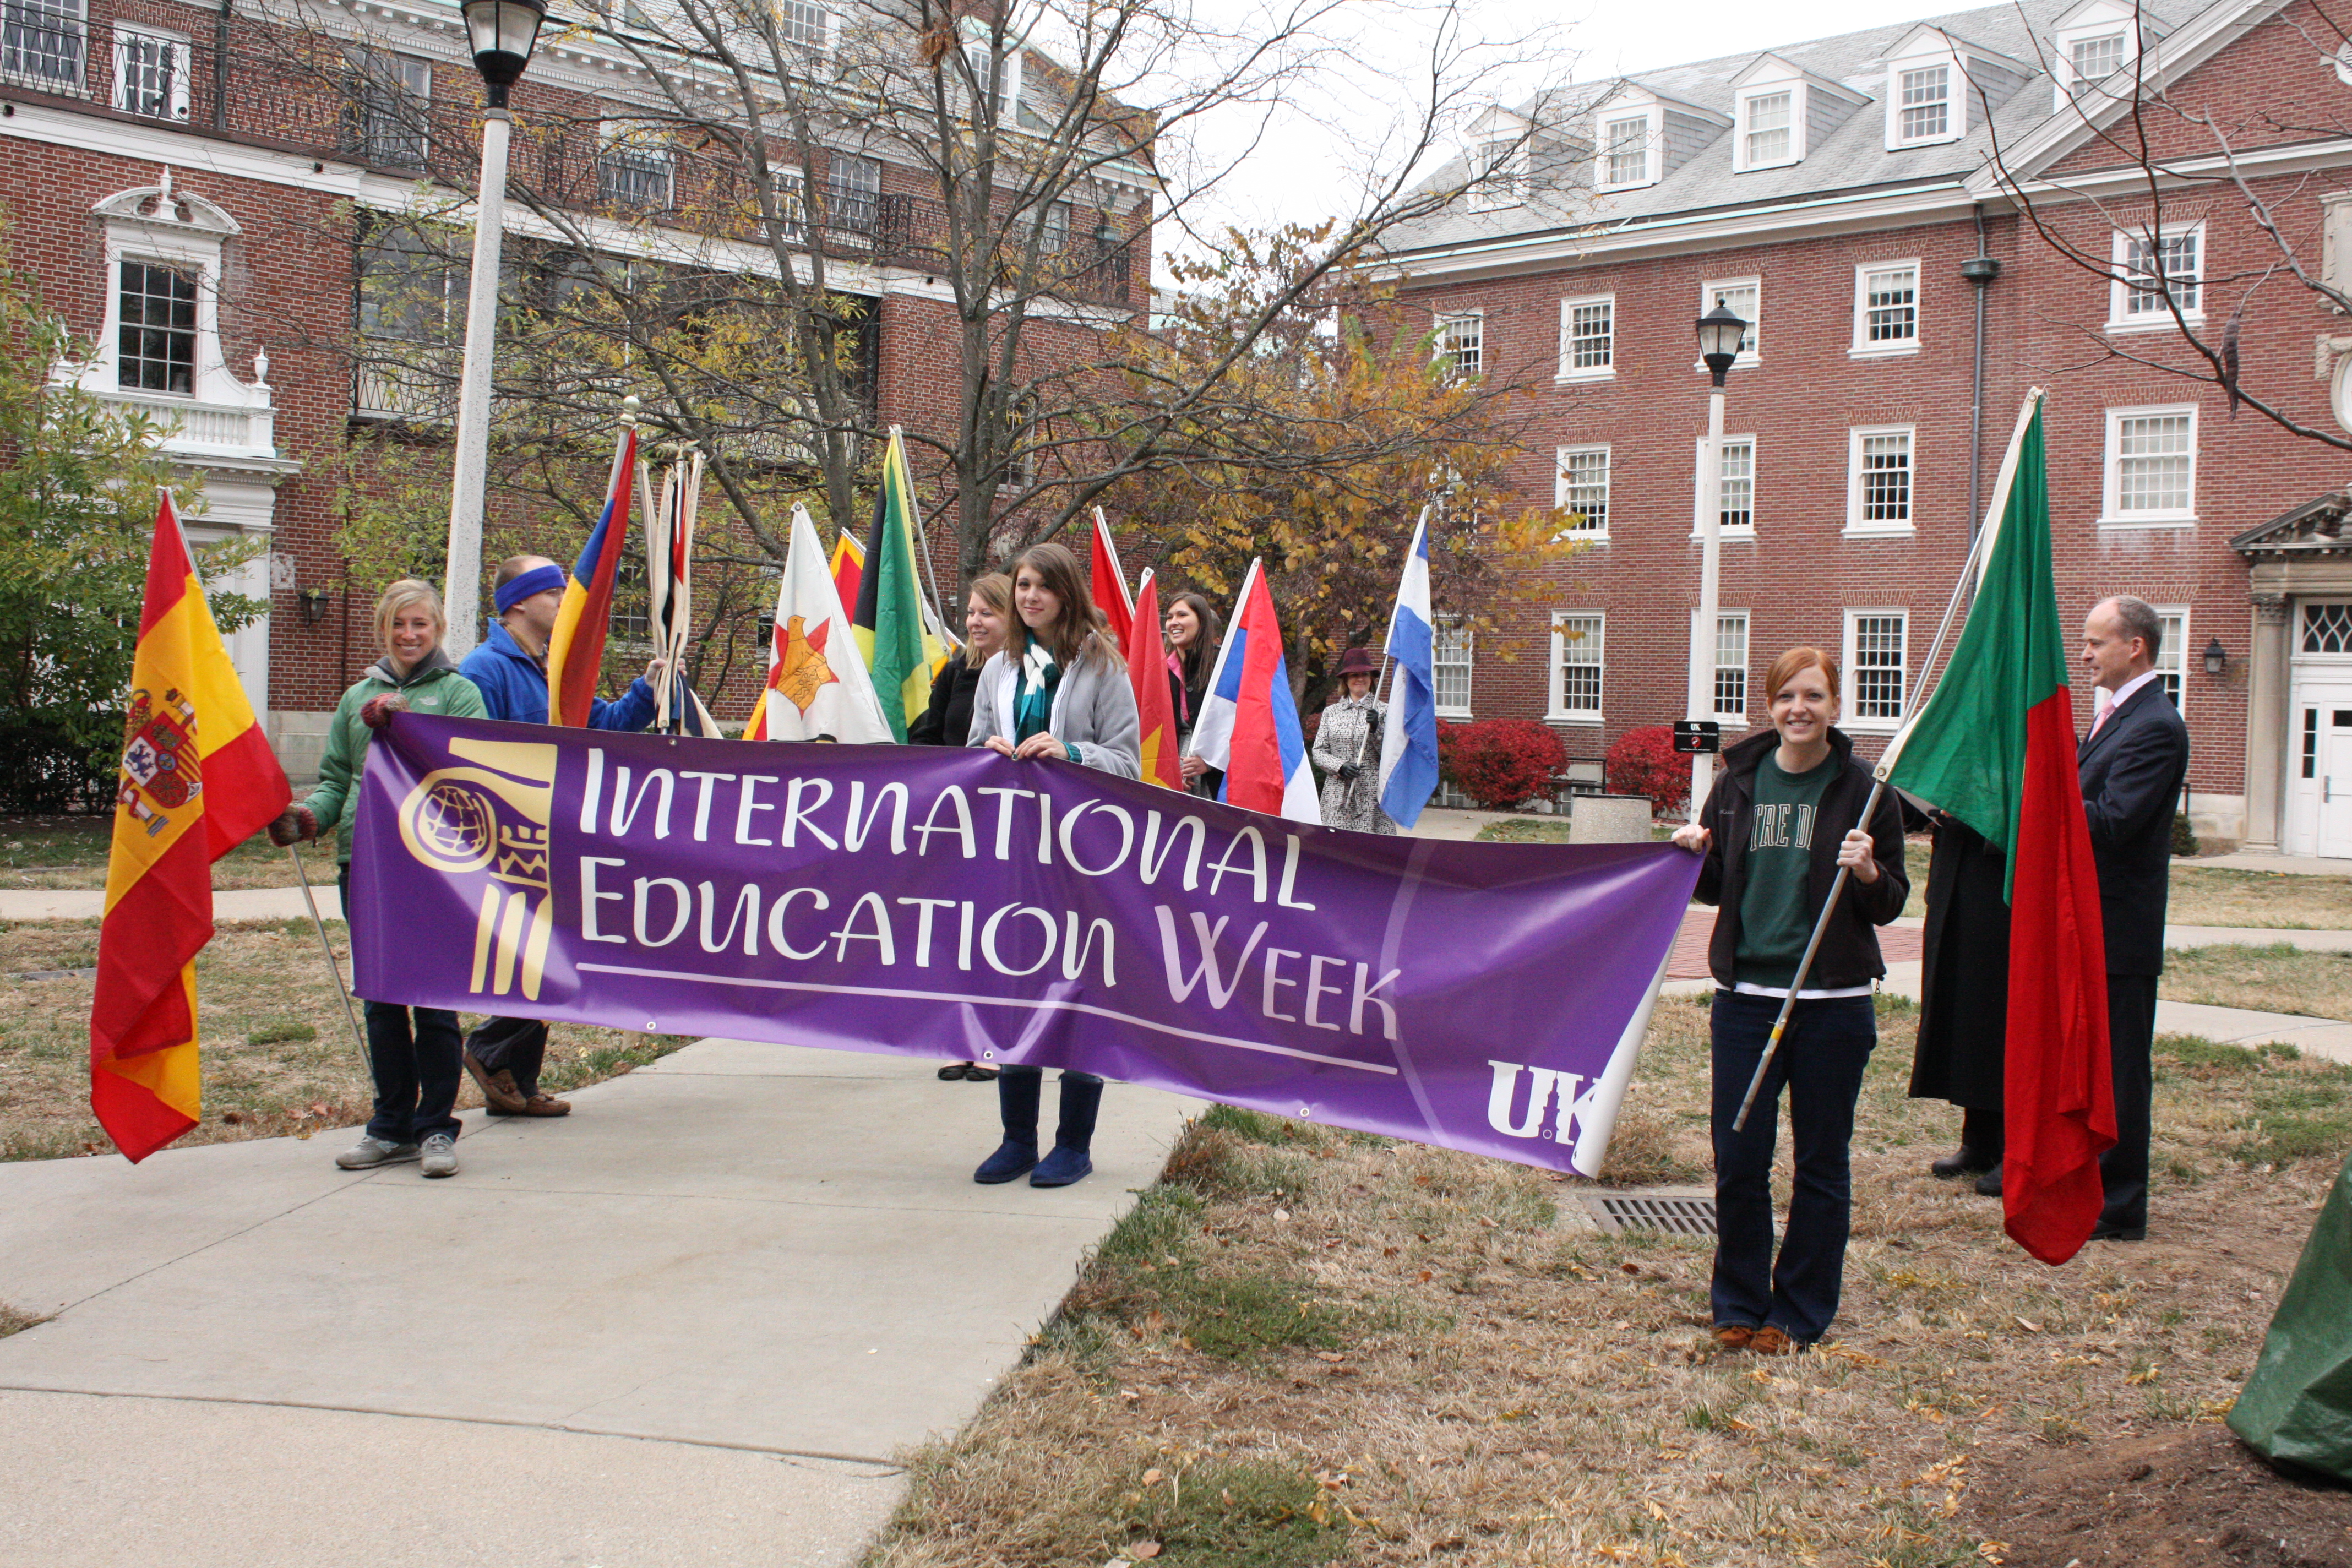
(1248, 724)
(1408, 736)
(575, 650)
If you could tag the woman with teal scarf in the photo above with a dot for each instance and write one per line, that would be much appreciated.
(1057, 690)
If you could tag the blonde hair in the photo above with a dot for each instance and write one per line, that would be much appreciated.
(996, 588)
(397, 596)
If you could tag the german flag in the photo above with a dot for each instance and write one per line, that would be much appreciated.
(197, 779)
(575, 650)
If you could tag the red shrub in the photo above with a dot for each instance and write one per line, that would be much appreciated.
(1498, 762)
(1644, 761)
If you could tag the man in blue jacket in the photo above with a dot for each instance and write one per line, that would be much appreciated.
(510, 669)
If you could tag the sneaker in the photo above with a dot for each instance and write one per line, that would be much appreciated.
(440, 1158)
(369, 1152)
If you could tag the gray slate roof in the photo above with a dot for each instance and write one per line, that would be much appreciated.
(1851, 158)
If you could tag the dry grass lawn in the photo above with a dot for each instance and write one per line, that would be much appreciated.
(1308, 1346)
(2274, 978)
(70, 852)
(278, 1057)
(2221, 896)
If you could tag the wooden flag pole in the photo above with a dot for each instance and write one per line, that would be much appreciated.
(1977, 549)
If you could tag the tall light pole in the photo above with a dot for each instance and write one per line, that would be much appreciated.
(1719, 331)
(503, 32)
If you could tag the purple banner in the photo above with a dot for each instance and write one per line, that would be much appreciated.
(955, 904)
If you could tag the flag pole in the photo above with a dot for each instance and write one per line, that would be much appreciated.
(922, 545)
(1224, 647)
(359, 1036)
(1978, 548)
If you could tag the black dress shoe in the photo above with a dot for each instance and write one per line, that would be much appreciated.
(2103, 1231)
(1961, 1162)
(1990, 1182)
(955, 1070)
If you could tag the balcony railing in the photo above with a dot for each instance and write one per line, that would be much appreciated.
(403, 394)
(912, 231)
(43, 50)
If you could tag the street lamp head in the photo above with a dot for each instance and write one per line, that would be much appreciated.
(502, 32)
(1719, 331)
(2217, 658)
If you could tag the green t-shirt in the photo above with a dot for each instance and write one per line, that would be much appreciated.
(1776, 917)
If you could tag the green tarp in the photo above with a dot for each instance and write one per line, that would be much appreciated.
(2297, 1406)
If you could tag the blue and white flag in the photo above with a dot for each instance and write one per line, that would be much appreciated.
(1408, 736)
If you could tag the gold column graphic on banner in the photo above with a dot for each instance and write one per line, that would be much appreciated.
(493, 819)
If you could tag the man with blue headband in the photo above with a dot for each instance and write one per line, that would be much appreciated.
(509, 668)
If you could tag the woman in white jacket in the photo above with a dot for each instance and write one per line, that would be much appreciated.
(1056, 690)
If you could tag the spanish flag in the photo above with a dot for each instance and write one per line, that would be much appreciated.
(198, 778)
(575, 650)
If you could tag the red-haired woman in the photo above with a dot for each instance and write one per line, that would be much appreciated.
(1786, 814)
(1056, 690)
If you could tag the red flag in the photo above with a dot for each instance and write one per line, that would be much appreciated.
(1146, 672)
(197, 779)
(1110, 583)
(575, 650)
(848, 568)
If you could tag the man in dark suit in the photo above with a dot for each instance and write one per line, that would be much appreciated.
(2132, 761)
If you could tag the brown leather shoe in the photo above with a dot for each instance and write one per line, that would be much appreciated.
(1772, 1341)
(546, 1105)
(1731, 1337)
(499, 1090)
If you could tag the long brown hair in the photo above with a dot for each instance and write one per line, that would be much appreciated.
(1204, 649)
(1079, 632)
(997, 589)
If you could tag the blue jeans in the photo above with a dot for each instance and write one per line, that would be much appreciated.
(1821, 1060)
(416, 1072)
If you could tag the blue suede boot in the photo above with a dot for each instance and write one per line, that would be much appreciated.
(1073, 1137)
(1017, 1093)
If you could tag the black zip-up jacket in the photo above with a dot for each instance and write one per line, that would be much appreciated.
(1848, 955)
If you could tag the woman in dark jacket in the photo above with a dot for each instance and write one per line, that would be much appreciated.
(948, 721)
(1962, 1054)
(1191, 632)
(1784, 817)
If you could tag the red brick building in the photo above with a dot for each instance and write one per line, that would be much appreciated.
(1871, 202)
(193, 184)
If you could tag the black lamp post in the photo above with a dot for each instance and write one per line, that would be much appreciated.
(1719, 331)
(503, 32)
(2217, 658)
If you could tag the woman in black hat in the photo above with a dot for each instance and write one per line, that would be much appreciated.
(1348, 749)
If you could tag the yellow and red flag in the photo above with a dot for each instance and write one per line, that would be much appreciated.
(575, 650)
(848, 568)
(197, 779)
(1155, 704)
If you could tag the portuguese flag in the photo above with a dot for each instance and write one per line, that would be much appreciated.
(901, 653)
(1994, 746)
(197, 779)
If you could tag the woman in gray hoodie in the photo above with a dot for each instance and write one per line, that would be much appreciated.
(1057, 689)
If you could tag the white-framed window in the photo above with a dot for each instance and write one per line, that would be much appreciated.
(2090, 61)
(1767, 129)
(1498, 168)
(1728, 704)
(1624, 155)
(852, 193)
(1744, 297)
(2172, 652)
(1736, 501)
(1461, 342)
(1582, 489)
(1579, 641)
(1877, 685)
(156, 346)
(45, 45)
(151, 73)
(1885, 308)
(1923, 105)
(2149, 264)
(388, 116)
(803, 22)
(1587, 338)
(1054, 237)
(1449, 663)
(790, 188)
(1004, 71)
(1879, 478)
(2151, 467)
(634, 167)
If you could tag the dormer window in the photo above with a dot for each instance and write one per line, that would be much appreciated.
(2091, 60)
(1923, 105)
(1625, 152)
(1767, 128)
(2093, 42)
(1496, 169)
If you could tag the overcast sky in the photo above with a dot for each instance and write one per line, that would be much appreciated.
(1315, 150)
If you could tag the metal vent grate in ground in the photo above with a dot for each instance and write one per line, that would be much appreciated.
(1678, 1216)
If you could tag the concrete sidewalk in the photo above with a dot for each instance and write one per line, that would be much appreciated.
(696, 1322)
(229, 904)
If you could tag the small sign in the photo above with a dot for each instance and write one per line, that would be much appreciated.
(1697, 735)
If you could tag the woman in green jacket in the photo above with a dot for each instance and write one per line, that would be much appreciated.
(416, 1069)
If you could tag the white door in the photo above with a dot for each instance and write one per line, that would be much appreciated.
(2319, 776)
(2335, 781)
